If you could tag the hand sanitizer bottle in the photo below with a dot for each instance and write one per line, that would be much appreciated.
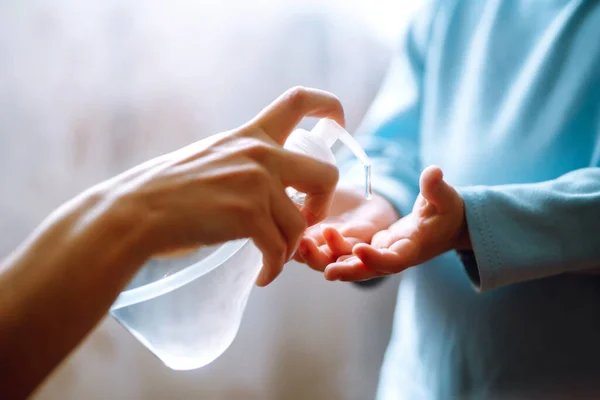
(187, 310)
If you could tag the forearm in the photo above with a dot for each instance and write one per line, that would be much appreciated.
(58, 285)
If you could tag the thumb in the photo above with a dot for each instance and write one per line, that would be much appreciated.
(435, 190)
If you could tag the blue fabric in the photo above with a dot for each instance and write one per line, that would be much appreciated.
(505, 97)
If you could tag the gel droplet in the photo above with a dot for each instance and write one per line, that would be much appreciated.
(368, 187)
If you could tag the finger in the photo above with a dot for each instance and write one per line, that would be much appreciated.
(435, 190)
(288, 218)
(349, 269)
(399, 256)
(279, 118)
(268, 238)
(315, 232)
(338, 244)
(309, 175)
(316, 257)
(298, 257)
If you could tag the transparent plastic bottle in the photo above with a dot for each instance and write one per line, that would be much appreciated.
(187, 310)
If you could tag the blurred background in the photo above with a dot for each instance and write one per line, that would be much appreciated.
(90, 88)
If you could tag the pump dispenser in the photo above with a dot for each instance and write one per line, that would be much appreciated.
(187, 310)
(317, 143)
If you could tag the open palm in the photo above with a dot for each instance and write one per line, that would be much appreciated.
(352, 220)
(435, 225)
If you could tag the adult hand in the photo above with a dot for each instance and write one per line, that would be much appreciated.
(61, 281)
(232, 185)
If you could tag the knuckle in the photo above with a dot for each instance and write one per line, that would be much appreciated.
(256, 176)
(258, 150)
(246, 131)
(296, 97)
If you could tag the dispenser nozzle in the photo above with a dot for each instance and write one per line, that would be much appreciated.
(330, 131)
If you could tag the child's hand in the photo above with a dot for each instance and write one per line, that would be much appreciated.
(352, 220)
(436, 225)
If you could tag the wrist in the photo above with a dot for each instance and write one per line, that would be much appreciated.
(463, 241)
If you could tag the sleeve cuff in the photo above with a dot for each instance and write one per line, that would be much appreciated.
(483, 263)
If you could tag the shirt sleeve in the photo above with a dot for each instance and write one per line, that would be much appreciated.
(530, 231)
(390, 131)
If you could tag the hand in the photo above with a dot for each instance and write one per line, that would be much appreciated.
(436, 225)
(352, 220)
(232, 185)
(225, 187)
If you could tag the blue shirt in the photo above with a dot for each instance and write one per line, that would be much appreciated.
(505, 97)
